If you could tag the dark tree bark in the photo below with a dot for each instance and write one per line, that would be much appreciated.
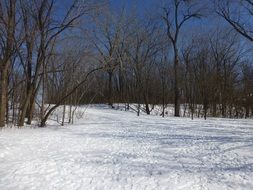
(174, 25)
(5, 62)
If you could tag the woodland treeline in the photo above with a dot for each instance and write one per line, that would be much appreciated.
(55, 53)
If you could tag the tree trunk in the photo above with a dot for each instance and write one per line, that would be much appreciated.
(29, 81)
(30, 110)
(223, 110)
(63, 115)
(192, 111)
(24, 109)
(110, 89)
(247, 110)
(214, 110)
(163, 99)
(147, 109)
(6, 61)
(121, 83)
(176, 88)
(205, 105)
(70, 112)
(13, 106)
(138, 109)
(7, 107)
(27, 108)
(146, 105)
(3, 95)
(205, 110)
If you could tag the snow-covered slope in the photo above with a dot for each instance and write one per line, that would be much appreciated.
(112, 150)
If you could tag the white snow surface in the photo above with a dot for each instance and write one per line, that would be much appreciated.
(110, 149)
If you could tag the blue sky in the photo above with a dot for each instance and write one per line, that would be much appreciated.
(140, 5)
(118, 3)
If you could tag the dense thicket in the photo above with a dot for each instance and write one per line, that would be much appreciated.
(56, 53)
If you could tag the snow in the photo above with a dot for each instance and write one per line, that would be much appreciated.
(110, 149)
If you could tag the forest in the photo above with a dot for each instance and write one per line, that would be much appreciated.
(193, 55)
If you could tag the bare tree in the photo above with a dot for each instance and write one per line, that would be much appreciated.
(175, 16)
(108, 38)
(238, 14)
(41, 14)
(7, 33)
(142, 49)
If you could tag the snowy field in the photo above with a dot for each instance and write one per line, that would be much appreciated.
(109, 149)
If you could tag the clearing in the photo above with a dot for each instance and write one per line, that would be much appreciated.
(110, 149)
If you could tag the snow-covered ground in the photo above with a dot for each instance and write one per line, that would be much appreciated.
(109, 149)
